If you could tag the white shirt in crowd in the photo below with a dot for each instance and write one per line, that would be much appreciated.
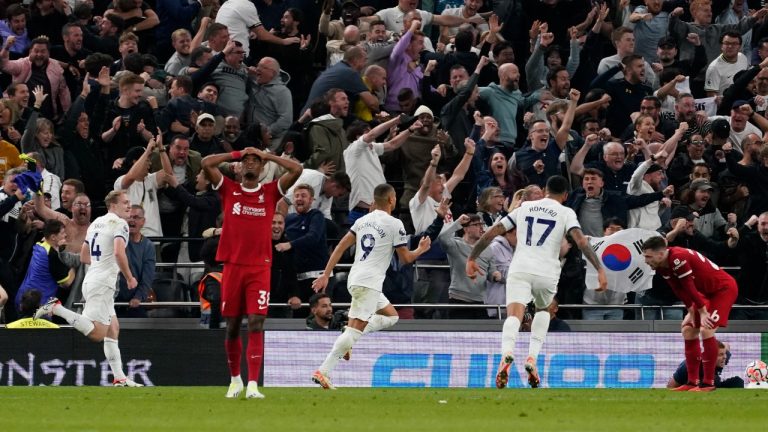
(720, 73)
(144, 193)
(316, 179)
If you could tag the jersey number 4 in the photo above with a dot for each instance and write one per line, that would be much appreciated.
(95, 249)
(549, 223)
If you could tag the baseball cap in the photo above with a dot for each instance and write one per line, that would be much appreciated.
(667, 42)
(701, 184)
(205, 116)
(653, 168)
(736, 104)
(131, 156)
(682, 211)
(350, 2)
(721, 128)
(423, 110)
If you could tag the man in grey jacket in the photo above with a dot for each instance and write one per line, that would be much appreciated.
(270, 102)
(463, 290)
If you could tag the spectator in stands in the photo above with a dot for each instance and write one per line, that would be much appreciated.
(204, 141)
(242, 21)
(325, 187)
(394, 17)
(334, 29)
(15, 25)
(504, 100)
(710, 222)
(321, 314)
(51, 184)
(107, 40)
(615, 170)
(71, 56)
(203, 204)
(720, 73)
(46, 271)
(683, 164)
(648, 178)
(140, 20)
(39, 136)
(217, 37)
(626, 93)
(141, 185)
(503, 249)
(468, 11)
(650, 25)
(363, 165)
(177, 115)
(305, 230)
(752, 254)
(231, 76)
(623, 39)
(10, 206)
(456, 113)
(375, 79)
(283, 279)
(182, 43)
(662, 130)
(606, 297)
(30, 302)
(463, 290)
(327, 139)
(141, 259)
(175, 18)
(37, 70)
(490, 166)
(682, 232)
(755, 177)
(336, 47)
(128, 44)
(270, 101)
(490, 206)
(128, 121)
(401, 72)
(345, 75)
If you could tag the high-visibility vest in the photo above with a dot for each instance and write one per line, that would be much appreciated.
(205, 305)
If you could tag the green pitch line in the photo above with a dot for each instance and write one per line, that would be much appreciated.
(403, 410)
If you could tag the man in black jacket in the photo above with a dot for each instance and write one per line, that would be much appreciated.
(752, 252)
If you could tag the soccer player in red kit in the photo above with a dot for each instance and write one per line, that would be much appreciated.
(245, 249)
(708, 293)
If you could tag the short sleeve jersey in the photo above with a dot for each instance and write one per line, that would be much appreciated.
(246, 236)
(708, 277)
(100, 239)
(541, 226)
(393, 18)
(378, 234)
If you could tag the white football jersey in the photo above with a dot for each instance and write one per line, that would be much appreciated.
(100, 239)
(541, 227)
(378, 234)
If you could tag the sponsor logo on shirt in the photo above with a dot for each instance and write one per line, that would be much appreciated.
(678, 263)
(245, 210)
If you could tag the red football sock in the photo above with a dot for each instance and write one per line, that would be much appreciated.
(234, 349)
(709, 360)
(692, 359)
(255, 354)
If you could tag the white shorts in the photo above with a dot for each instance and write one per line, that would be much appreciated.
(366, 302)
(524, 287)
(99, 303)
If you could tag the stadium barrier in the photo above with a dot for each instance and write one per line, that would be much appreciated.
(386, 359)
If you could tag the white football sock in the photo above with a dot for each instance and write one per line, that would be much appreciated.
(112, 353)
(539, 327)
(380, 322)
(340, 347)
(79, 322)
(509, 334)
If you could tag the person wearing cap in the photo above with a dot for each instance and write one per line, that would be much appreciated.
(667, 53)
(650, 23)
(710, 221)
(204, 140)
(739, 121)
(648, 178)
(681, 231)
(720, 72)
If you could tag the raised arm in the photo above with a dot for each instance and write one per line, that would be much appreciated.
(461, 169)
(561, 138)
(577, 163)
(429, 174)
(139, 168)
(46, 213)
(400, 138)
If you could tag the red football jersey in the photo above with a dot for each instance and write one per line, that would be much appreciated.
(693, 277)
(246, 236)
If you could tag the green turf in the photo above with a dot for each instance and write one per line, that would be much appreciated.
(393, 410)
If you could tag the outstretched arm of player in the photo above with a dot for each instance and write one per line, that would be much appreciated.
(472, 268)
(122, 262)
(589, 253)
(406, 256)
(346, 242)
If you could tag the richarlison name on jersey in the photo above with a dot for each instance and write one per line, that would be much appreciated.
(545, 210)
(375, 227)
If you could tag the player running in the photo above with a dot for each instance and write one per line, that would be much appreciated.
(104, 250)
(708, 293)
(245, 249)
(535, 269)
(376, 235)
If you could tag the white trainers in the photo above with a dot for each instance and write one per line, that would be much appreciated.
(235, 388)
(252, 391)
(125, 382)
(46, 309)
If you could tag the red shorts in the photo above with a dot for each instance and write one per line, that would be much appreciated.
(719, 306)
(245, 290)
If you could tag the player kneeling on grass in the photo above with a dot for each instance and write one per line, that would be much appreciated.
(708, 293)
(535, 269)
(377, 235)
(104, 250)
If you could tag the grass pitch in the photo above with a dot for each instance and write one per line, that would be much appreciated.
(358, 409)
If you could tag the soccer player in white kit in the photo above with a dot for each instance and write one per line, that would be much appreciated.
(104, 250)
(535, 268)
(377, 235)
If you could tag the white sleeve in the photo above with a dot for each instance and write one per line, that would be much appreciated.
(712, 81)
(378, 148)
(426, 18)
(400, 237)
(121, 230)
(153, 180)
(251, 16)
(571, 221)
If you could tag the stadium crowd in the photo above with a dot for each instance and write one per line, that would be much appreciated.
(654, 110)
